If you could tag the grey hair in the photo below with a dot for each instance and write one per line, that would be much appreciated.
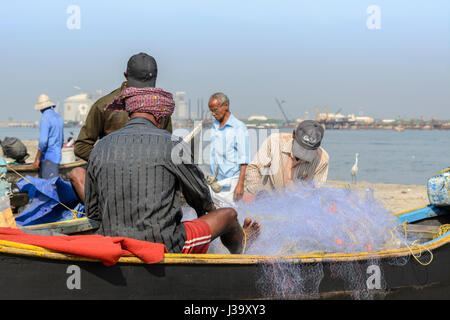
(221, 97)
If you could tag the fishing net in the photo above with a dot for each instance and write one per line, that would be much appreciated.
(286, 280)
(310, 219)
(306, 219)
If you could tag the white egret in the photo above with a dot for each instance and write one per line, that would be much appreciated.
(355, 168)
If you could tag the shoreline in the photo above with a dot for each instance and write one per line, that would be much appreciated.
(396, 197)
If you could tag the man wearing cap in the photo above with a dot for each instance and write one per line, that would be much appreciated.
(285, 158)
(135, 176)
(141, 72)
(51, 139)
(100, 122)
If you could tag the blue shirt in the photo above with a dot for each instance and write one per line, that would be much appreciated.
(51, 136)
(229, 148)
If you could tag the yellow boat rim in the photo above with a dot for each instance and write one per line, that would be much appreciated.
(416, 251)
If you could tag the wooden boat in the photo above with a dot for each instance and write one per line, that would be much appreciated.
(16, 171)
(418, 272)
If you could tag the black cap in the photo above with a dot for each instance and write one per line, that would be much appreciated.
(308, 136)
(141, 71)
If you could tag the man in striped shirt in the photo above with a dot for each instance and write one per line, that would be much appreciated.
(285, 158)
(135, 176)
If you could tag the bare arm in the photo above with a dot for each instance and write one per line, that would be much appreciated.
(239, 190)
(253, 173)
(37, 160)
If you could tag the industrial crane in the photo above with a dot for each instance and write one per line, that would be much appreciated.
(282, 111)
(318, 114)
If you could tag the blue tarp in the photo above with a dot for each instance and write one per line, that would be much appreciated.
(45, 196)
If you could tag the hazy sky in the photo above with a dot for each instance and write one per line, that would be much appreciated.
(394, 61)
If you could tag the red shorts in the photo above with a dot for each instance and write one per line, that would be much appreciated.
(198, 236)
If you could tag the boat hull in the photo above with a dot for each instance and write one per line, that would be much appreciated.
(411, 272)
(216, 277)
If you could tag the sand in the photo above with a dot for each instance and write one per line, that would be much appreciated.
(396, 197)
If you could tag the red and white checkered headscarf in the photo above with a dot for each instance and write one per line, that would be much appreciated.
(155, 101)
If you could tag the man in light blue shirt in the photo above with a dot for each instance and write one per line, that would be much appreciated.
(51, 139)
(229, 153)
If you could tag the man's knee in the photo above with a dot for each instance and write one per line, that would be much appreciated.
(77, 174)
(231, 215)
(225, 215)
(221, 221)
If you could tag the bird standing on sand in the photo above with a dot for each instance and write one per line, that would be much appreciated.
(355, 168)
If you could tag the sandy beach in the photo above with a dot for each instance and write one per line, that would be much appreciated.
(396, 197)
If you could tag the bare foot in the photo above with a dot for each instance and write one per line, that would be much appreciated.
(252, 230)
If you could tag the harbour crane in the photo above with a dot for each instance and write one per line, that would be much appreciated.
(282, 111)
(318, 114)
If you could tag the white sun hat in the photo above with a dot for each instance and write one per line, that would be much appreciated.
(43, 102)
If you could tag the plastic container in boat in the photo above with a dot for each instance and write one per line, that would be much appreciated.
(438, 189)
(67, 155)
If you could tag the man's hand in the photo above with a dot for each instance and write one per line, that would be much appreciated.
(238, 192)
(249, 199)
(37, 160)
(36, 164)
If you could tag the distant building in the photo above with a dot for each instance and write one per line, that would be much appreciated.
(364, 120)
(181, 112)
(339, 117)
(257, 118)
(76, 108)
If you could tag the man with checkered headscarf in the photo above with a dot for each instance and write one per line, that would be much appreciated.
(135, 176)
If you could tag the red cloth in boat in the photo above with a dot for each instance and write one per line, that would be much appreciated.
(106, 249)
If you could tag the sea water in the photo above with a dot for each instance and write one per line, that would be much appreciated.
(385, 156)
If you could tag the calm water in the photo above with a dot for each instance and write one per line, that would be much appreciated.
(409, 157)
(386, 156)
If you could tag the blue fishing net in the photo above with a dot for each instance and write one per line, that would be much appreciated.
(306, 219)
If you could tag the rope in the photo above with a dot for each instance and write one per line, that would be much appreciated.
(405, 230)
(74, 212)
(443, 229)
(244, 240)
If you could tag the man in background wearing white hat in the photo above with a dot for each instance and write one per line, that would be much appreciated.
(51, 139)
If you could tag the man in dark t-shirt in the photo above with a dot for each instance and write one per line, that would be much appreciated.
(135, 176)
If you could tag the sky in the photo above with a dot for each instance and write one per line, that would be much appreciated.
(380, 58)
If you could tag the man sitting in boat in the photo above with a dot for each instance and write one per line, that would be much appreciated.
(51, 139)
(101, 122)
(284, 158)
(135, 176)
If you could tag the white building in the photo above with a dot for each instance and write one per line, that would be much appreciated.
(181, 112)
(257, 118)
(364, 120)
(77, 107)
